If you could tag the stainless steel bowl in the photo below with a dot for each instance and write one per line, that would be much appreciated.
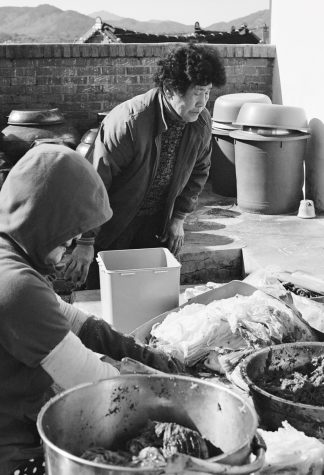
(35, 117)
(105, 412)
(273, 410)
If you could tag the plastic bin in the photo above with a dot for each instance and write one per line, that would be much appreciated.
(269, 172)
(137, 285)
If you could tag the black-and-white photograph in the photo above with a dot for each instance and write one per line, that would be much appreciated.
(161, 237)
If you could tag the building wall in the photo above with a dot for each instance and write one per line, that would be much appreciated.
(84, 79)
(297, 33)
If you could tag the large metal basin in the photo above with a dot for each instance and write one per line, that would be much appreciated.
(110, 410)
(273, 410)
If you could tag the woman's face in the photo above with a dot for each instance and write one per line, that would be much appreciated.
(56, 255)
(189, 105)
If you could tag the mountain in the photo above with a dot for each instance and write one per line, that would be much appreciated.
(152, 26)
(43, 24)
(253, 21)
(48, 24)
(107, 15)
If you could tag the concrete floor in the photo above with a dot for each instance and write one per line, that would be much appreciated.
(223, 243)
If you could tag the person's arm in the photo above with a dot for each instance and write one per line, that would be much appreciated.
(36, 330)
(112, 151)
(71, 363)
(75, 316)
(100, 337)
(97, 335)
(187, 201)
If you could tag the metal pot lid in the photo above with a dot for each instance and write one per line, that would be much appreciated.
(267, 131)
(223, 125)
(221, 132)
(35, 117)
(239, 125)
(253, 137)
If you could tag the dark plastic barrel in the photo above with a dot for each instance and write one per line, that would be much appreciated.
(222, 169)
(269, 172)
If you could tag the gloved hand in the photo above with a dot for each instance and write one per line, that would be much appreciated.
(78, 263)
(97, 335)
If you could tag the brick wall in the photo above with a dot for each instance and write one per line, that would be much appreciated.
(83, 79)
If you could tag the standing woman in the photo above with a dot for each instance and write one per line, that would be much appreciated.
(51, 196)
(153, 153)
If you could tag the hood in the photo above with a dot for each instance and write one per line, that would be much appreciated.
(50, 196)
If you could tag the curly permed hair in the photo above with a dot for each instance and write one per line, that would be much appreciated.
(188, 65)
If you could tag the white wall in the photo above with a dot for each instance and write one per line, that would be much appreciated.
(298, 34)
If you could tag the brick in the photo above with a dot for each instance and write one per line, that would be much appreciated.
(6, 72)
(146, 79)
(48, 51)
(48, 80)
(138, 70)
(132, 79)
(4, 81)
(21, 80)
(131, 49)
(76, 51)
(6, 63)
(239, 51)
(67, 50)
(247, 51)
(95, 50)
(80, 80)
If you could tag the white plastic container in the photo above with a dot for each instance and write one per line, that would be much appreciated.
(137, 285)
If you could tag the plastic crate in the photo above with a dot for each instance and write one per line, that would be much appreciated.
(137, 285)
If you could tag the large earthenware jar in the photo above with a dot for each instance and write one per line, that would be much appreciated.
(86, 141)
(27, 126)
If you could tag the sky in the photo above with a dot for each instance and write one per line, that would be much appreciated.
(183, 11)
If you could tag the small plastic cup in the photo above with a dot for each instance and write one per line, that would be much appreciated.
(306, 209)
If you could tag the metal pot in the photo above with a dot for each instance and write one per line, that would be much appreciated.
(89, 136)
(87, 140)
(23, 130)
(273, 410)
(108, 411)
(36, 117)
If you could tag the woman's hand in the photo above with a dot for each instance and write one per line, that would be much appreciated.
(174, 235)
(78, 263)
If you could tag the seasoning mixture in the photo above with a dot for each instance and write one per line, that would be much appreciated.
(151, 448)
(304, 385)
(300, 290)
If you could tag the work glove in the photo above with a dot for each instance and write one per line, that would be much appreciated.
(78, 263)
(97, 335)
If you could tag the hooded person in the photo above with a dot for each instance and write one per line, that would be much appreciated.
(50, 197)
